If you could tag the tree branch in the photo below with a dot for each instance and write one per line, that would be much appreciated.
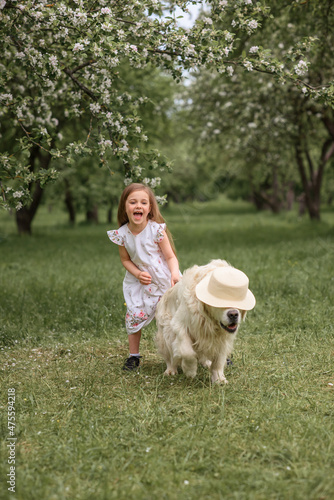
(31, 140)
(79, 84)
(84, 65)
(327, 151)
(310, 162)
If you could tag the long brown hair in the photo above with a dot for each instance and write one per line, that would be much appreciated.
(154, 213)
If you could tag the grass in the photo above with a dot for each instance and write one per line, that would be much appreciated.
(86, 430)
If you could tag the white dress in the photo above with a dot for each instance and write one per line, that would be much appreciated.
(144, 251)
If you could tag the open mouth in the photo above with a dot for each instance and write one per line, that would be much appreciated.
(231, 328)
(137, 215)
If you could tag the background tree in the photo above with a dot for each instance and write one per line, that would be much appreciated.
(85, 185)
(270, 134)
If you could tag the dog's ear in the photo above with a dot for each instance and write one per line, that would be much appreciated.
(243, 315)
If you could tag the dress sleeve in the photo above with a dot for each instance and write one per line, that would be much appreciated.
(116, 236)
(158, 232)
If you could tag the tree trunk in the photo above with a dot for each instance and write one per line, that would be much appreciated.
(23, 221)
(92, 215)
(113, 203)
(312, 186)
(290, 197)
(313, 207)
(109, 216)
(69, 203)
(25, 216)
(262, 201)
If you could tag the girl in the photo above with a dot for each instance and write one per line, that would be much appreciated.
(147, 253)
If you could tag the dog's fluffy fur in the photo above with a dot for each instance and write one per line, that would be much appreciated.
(191, 331)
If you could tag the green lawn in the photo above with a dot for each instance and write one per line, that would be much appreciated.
(86, 430)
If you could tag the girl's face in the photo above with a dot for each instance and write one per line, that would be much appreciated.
(137, 207)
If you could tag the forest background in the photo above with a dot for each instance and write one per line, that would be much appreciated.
(240, 102)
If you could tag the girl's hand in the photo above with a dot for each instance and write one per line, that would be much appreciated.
(144, 278)
(175, 279)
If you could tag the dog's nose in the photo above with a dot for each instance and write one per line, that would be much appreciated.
(233, 315)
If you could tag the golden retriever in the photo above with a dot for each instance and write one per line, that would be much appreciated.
(189, 330)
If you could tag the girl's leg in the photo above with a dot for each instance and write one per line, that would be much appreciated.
(132, 362)
(134, 340)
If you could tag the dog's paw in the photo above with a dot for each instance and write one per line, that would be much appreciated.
(206, 363)
(218, 378)
(189, 369)
(170, 371)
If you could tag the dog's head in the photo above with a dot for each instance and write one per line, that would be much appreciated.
(229, 319)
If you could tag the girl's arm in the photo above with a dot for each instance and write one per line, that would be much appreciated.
(171, 258)
(142, 276)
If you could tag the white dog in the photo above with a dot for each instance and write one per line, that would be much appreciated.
(199, 317)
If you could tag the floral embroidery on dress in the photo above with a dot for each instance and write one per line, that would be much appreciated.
(160, 235)
(134, 319)
(115, 237)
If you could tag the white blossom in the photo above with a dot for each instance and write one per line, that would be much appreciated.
(95, 107)
(106, 26)
(155, 182)
(6, 97)
(230, 70)
(248, 65)
(106, 10)
(301, 68)
(254, 49)
(53, 61)
(18, 194)
(125, 146)
(80, 18)
(78, 46)
(161, 200)
(252, 24)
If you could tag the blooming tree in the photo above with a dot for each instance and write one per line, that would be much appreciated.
(60, 63)
(274, 133)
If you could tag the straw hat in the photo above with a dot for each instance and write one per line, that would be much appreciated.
(226, 287)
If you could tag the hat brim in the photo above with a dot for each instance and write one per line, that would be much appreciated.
(203, 294)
